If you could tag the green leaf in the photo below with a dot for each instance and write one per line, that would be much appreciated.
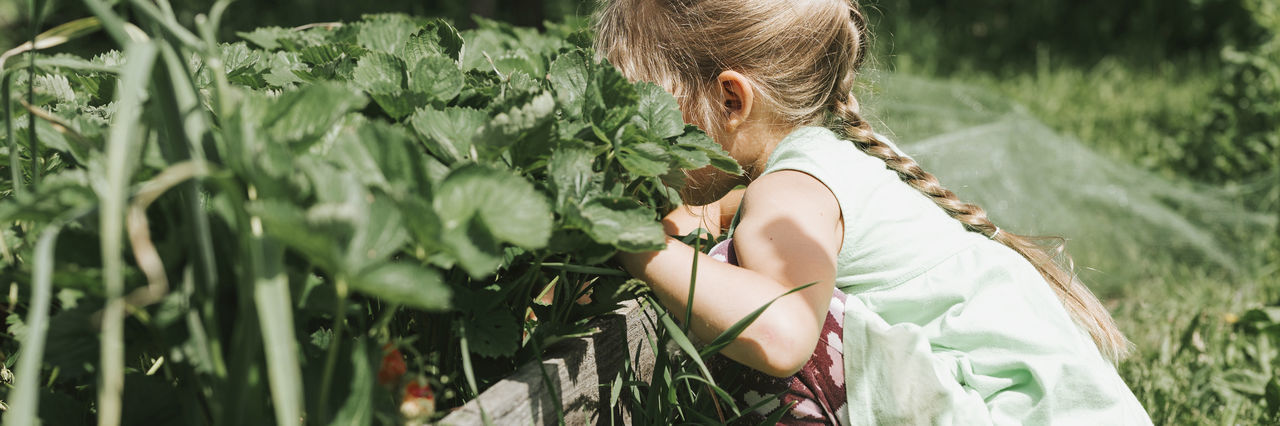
(719, 159)
(400, 104)
(568, 78)
(284, 70)
(437, 76)
(690, 158)
(510, 64)
(404, 283)
(421, 222)
(266, 37)
(289, 225)
(436, 38)
(645, 159)
(308, 112)
(658, 112)
(379, 233)
(506, 127)
(494, 334)
(386, 33)
(449, 133)
(631, 229)
(358, 408)
(380, 73)
(512, 208)
(570, 173)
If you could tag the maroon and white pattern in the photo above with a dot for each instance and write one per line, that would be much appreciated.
(817, 390)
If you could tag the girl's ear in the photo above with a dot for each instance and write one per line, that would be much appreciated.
(738, 96)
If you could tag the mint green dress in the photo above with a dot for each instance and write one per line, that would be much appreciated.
(945, 326)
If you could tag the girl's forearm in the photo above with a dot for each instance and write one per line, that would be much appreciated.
(778, 343)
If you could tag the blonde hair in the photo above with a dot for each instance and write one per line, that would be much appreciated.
(802, 58)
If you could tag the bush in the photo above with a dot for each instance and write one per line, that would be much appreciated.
(1242, 136)
(321, 221)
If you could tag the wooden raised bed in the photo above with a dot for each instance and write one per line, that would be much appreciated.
(580, 372)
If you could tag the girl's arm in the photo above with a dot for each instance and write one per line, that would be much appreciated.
(788, 236)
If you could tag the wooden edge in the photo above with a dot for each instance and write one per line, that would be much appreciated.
(581, 371)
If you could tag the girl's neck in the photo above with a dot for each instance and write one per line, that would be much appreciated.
(753, 143)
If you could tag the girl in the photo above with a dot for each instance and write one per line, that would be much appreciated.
(948, 318)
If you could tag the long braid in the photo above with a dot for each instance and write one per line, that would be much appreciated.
(1083, 306)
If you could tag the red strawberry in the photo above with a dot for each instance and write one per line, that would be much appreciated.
(392, 366)
(419, 401)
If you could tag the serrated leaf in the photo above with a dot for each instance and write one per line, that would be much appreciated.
(386, 33)
(690, 158)
(658, 112)
(404, 283)
(380, 155)
(493, 335)
(323, 53)
(451, 42)
(284, 69)
(266, 37)
(399, 105)
(380, 73)
(54, 86)
(308, 112)
(570, 173)
(506, 127)
(449, 132)
(436, 38)
(438, 77)
(644, 159)
(509, 205)
(568, 78)
(716, 155)
(509, 65)
(631, 229)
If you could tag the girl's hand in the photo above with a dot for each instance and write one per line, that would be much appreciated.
(714, 217)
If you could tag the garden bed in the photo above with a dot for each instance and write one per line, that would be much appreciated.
(578, 378)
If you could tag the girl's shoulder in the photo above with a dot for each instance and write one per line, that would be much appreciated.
(835, 161)
(819, 147)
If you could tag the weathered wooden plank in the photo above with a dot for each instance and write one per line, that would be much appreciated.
(580, 371)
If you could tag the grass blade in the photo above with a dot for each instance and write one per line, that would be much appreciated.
(594, 270)
(54, 37)
(26, 391)
(469, 372)
(693, 279)
(726, 337)
(683, 342)
(122, 148)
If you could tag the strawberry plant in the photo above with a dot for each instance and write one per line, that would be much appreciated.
(264, 230)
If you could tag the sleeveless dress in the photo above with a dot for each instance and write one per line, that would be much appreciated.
(940, 325)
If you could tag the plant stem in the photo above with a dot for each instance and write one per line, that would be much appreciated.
(32, 147)
(121, 144)
(15, 164)
(331, 359)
